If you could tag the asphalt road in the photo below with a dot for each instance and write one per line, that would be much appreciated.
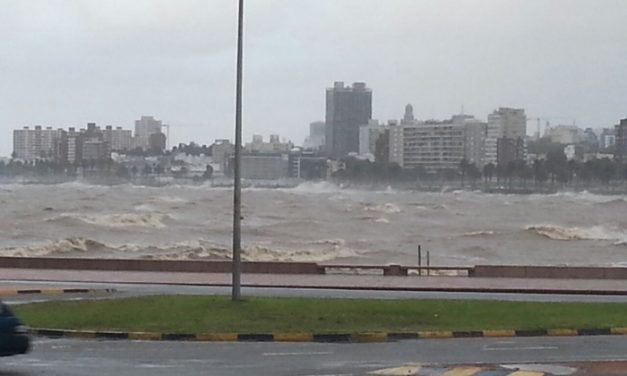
(129, 290)
(70, 357)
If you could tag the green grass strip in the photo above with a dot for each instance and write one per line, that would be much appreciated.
(218, 314)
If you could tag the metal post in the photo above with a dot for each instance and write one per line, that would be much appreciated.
(237, 187)
(419, 260)
(428, 262)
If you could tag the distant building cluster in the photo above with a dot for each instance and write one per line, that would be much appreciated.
(348, 130)
(411, 143)
(91, 143)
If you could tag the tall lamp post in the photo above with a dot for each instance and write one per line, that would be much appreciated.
(237, 187)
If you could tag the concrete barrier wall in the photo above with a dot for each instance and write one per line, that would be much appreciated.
(565, 272)
(158, 265)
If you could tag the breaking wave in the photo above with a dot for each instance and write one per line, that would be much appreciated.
(255, 253)
(69, 245)
(194, 250)
(554, 232)
(153, 220)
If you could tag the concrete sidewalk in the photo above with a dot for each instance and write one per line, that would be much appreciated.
(347, 282)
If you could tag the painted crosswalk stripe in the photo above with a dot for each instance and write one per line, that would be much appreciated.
(408, 370)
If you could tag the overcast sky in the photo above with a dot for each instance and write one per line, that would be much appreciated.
(66, 63)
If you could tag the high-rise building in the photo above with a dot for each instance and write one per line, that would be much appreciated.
(38, 143)
(607, 138)
(118, 139)
(475, 134)
(347, 107)
(510, 123)
(316, 139)
(620, 151)
(432, 145)
(144, 128)
(368, 136)
(437, 145)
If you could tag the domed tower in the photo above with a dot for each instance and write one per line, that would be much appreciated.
(409, 114)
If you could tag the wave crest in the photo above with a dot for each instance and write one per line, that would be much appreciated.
(154, 220)
(577, 233)
(69, 245)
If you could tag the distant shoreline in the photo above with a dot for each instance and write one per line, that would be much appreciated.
(442, 187)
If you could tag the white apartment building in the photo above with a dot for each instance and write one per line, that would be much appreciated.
(438, 145)
(503, 123)
(565, 134)
(432, 145)
(38, 143)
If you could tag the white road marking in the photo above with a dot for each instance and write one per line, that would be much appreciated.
(297, 353)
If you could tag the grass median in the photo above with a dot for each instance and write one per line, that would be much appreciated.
(216, 314)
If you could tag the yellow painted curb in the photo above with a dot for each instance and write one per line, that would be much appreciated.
(225, 337)
(435, 334)
(293, 337)
(561, 332)
(144, 336)
(499, 333)
(370, 337)
(619, 330)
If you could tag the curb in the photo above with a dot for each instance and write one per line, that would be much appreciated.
(321, 338)
(14, 292)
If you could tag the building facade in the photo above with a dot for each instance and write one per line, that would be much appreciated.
(144, 128)
(317, 135)
(368, 136)
(510, 123)
(347, 108)
(564, 134)
(118, 139)
(38, 143)
(620, 151)
(432, 145)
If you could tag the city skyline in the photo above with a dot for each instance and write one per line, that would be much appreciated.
(70, 63)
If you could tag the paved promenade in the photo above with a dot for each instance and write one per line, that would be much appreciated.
(350, 282)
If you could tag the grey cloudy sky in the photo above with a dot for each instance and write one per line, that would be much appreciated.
(65, 63)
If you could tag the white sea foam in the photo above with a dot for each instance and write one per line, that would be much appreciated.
(191, 250)
(69, 245)
(382, 220)
(153, 220)
(479, 233)
(168, 199)
(315, 188)
(387, 208)
(555, 232)
(203, 250)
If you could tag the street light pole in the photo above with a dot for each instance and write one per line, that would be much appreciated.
(237, 186)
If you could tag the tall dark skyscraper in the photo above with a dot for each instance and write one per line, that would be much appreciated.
(348, 107)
